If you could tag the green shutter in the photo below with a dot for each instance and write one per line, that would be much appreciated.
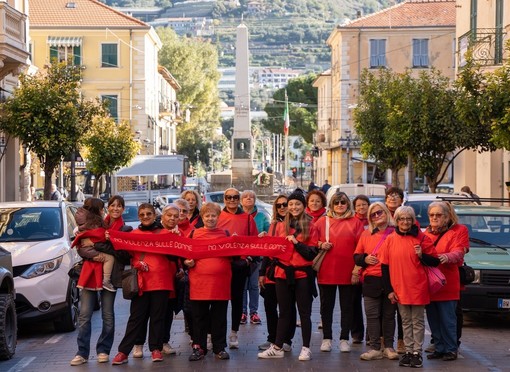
(53, 54)
(77, 55)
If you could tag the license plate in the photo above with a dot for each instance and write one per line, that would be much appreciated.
(503, 303)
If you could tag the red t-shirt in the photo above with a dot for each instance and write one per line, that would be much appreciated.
(210, 278)
(239, 223)
(296, 259)
(408, 277)
(366, 245)
(338, 263)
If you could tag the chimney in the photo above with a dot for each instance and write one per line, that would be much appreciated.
(358, 14)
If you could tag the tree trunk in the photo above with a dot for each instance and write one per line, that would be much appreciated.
(95, 193)
(394, 177)
(48, 172)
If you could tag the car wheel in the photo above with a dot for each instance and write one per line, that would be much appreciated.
(8, 326)
(69, 320)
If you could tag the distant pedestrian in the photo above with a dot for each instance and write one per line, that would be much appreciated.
(312, 186)
(468, 191)
(55, 194)
(325, 187)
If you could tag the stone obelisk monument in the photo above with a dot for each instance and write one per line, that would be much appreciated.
(242, 164)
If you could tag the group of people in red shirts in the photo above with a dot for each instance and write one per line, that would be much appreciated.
(372, 251)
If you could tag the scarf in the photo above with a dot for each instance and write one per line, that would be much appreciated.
(154, 226)
(438, 231)
(413, 231)
(315, 215)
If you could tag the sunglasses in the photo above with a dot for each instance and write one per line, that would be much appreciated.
(435, 215)
(378, 213)
(405, 219)
(342, 202)
(183, 211)
(282, 205)
(231, 197)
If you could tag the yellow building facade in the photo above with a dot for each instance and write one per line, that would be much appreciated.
(413, 35)
(483, 26)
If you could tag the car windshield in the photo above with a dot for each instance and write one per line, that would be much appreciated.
(130, 213)
(489, 229)
(30, 224)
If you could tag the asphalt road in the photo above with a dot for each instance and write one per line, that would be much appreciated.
(485, 347)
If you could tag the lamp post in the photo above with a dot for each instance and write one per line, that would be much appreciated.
(347, 141)
(198, 155)
(3, 144)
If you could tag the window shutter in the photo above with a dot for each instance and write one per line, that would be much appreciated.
(77, 55)
(53, 54)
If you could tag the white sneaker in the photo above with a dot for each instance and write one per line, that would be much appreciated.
(305, 354)
(233, 340)
(344, 346)
(287, 347)
(372, 355)
(271, 353)
(326, 345)
(209, 342)
(103, 358)
(167, 349)
(78, 360)
(138, 351)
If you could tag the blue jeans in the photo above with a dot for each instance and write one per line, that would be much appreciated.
(105, 341)
(443, 325)
(252, 288)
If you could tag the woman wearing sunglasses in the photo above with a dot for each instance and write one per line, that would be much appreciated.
(295, 278)
(267, 285)
(339, 232)
(380, 312)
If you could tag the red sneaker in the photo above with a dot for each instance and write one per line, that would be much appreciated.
(244, 318)
(254, 319)
(120, 358)
(157, 356)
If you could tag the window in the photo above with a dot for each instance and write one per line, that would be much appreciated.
(420, 53)
(109, 55)
(377, 53)
(112, 104)
(70, 54)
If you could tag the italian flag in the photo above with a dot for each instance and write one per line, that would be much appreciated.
(286, 119)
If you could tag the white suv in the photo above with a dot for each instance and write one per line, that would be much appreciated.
(39, 235)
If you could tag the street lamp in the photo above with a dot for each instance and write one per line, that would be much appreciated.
(346, 142)
(198, 155)
(3, 144)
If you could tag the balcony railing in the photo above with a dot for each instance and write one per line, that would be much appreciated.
(487, 45)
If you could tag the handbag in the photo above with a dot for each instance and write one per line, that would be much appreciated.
(75, 271)
(467, 274)
(317, 261)
(130, 283)
(435, 277)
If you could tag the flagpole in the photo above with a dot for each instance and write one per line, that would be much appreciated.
(286, 139)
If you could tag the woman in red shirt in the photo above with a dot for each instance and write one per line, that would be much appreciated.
(405, 281)
(209, 280)
(194, 201)
(156, 274)
(339, 232)
(380, 312)
(441, 310)
(295, 278)
(315, 204)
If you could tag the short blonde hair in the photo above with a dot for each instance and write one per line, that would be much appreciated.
(195, 194)
(210, 207)
(405, 209)
(389, 219)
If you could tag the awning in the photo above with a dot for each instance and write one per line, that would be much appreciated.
(64, 41)
(152, 165)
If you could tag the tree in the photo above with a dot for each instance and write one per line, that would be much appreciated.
(49, 115)
(378, 94)
(302, 108)
(194, 64)
(109, 147)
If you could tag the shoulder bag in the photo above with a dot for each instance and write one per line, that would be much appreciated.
(130, 286)
(435, 277)
(317, 261)
(467, 274)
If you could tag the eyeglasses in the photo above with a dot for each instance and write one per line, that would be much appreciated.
(148, 214)
(435, 215)
(281, 205)
(393, 196)
(341, 201)
(405, 219)
(231, 197)
(183, 211)
(376, 214)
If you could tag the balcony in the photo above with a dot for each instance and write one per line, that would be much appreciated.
(13, 49)
(487, 45)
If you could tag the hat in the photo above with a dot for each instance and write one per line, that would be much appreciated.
(297, 194)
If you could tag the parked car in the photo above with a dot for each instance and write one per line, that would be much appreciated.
(130, 215)
(489, 256)
(8, 321)
(38, 235)
(217, 197)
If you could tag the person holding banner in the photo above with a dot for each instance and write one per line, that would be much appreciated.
(156, 274)
(267, 284)
(209, 280)
(237, 222)
(339, 232)
(295, 278)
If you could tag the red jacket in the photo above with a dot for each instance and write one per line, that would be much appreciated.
(210, 278)
(239, 223)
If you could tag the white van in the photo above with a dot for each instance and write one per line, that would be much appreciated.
(354, 189)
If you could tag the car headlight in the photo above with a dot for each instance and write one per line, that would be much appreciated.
(477, 277)
(42, 268)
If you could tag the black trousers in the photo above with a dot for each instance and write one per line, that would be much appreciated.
(150, 305)
(358, 327)
(287, 296)
(328, 297)
(271, 307)
(210, 315)
(169, 318)
(239, 275)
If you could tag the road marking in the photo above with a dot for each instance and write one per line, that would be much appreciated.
(54, 339)
(22, 364)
